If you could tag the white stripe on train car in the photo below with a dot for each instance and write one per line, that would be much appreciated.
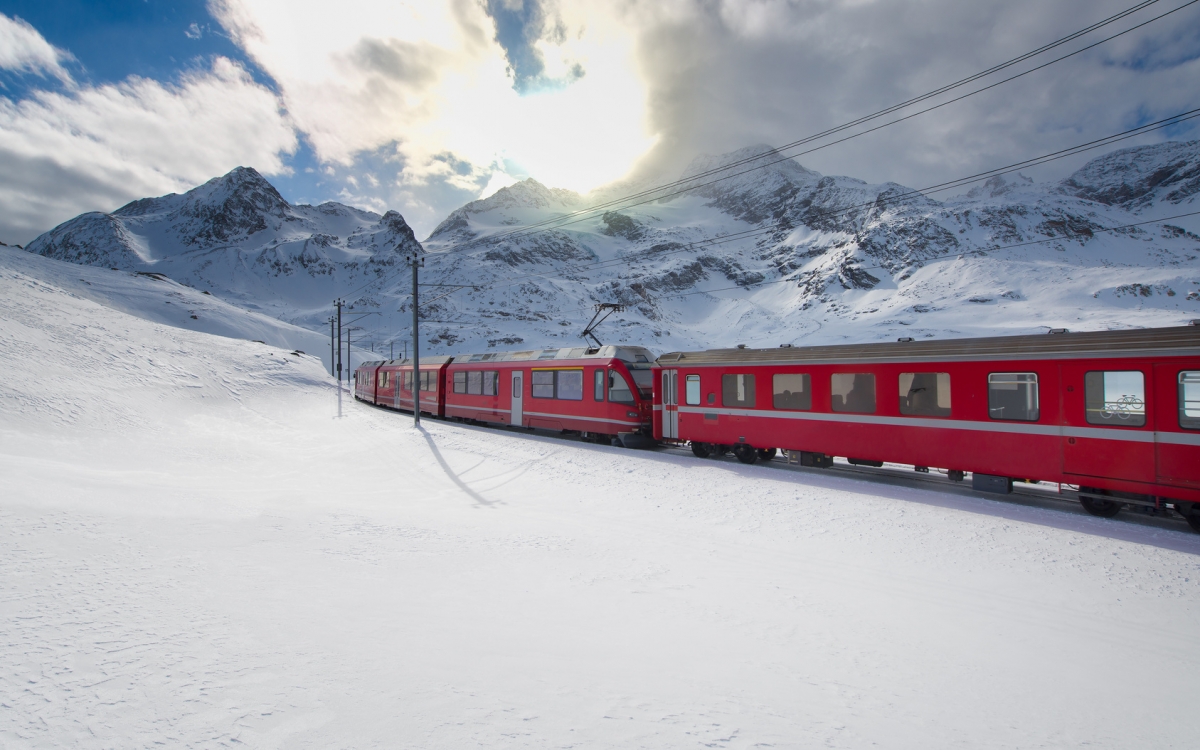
(585, 419)
(1099, 433)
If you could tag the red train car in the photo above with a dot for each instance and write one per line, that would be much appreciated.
(1116, 413)
(365, 386)
(600, 393)
(390, 384)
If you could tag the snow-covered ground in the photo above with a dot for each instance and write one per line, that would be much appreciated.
(204, 544)
(162, 300)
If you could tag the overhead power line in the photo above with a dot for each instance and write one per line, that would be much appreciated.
(984, 250)
(557, 222)
(879, 202)
(687, 185)
(653, 193)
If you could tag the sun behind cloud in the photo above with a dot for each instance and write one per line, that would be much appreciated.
(435, 79)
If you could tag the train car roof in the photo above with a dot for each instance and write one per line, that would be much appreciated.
(424, 361)
(633, 354)
(1143, 342)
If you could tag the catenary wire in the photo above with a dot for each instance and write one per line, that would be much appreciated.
(880, 113)
(985, 251)
(691, 187)
(558, 221)
(897, 199)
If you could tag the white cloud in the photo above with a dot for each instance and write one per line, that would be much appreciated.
(23, 49)
(416, 99)
(728, 73)
(430, 78)
(95, 148)
(498, 180)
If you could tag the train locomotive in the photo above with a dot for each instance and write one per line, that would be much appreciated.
(1115, 414)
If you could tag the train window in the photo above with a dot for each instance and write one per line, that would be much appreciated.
(737, 390)
(474, 383)
(643, 378)
(925, 394)
(460, 382)
(516, 384)
(598, 387)
(1013, 395)
(406, 383)
(491, 382)
(618, 388)
(853, 392)
(1189, 400)
(560, 384)
(542, 384)
(1115, 399)
(570, 385)
(792, 391)
(692, 390)
(428, 380)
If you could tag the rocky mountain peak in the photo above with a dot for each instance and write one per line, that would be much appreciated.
(528, 193)
(756, 158)
(1133, 178)
(999, 186)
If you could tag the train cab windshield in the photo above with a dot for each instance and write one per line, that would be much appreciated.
(643, 378)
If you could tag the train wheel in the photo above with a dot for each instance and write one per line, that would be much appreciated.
(1098, 506)
(702, 450)
(745, 453)
(1190, 513)
(766, 454)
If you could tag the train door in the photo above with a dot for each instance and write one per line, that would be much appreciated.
(518, 390)
(670, 404)
(1177, 453)
(1108, 431)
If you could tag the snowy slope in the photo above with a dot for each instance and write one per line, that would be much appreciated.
(827, 259)
(203, 543)
(161, 300)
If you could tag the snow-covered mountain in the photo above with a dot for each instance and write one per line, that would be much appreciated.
(813, 258)
(776, 255)
(236, 237)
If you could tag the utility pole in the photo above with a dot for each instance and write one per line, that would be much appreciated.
(417, 261)
(349, 358)
(332, 356)
(391, 350)
(338, 303)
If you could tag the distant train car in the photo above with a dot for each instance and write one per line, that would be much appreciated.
(601, 393)
(390, 384)
(1116, 413)
(365, 387)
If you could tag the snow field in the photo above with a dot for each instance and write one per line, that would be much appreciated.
(203, 544)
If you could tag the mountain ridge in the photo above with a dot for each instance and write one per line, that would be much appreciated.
(812, 256)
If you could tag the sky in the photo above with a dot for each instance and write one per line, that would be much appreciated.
(423, 106)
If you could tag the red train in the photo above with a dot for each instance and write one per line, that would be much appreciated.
(1116, 413)
(602, 393)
